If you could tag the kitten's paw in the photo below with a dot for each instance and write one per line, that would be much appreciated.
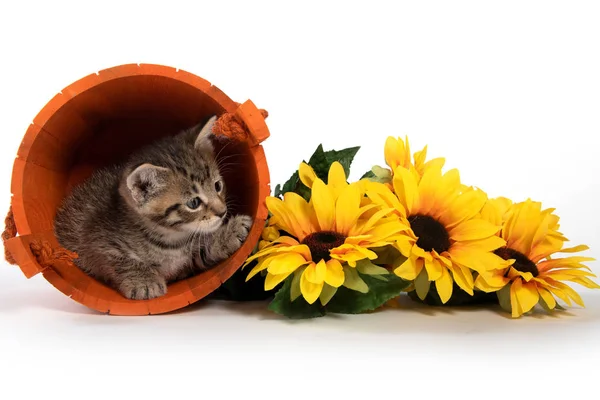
(238, 229)
(143, 288)
(227, 241)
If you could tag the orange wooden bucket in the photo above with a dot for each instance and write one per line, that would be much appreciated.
(99, 120)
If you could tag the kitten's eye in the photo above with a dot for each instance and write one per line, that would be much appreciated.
(218, 186)
(194, 203)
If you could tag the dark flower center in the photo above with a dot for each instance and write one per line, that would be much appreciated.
(430, 233)
(522, 263)
(320, 243)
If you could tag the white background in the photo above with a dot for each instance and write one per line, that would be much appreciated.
(508, 92)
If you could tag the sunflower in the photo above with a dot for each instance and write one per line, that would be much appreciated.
(534, 276)
(324, 241)
(447, 239)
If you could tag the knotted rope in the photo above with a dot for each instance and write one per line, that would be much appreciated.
(233, 127)
(44, 253)
(47, 256)
(10, 231)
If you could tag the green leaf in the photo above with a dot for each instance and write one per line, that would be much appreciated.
(344, 157)
(366, 267)
(348, 301)
(293, 184)
(545, 305)
(352, 280)
(378, 174)
(504, 298)
(327, 293)
(389, 255)
(295, 286)
(422, 284)
(368, 175)
(318, 161)
(380, 277)
(297, 309)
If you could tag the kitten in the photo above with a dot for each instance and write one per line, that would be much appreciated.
(159, 217)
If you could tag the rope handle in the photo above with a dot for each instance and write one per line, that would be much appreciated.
(10, 231)
(44, 253)
(233, 126)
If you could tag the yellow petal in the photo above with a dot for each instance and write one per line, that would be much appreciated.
(420, 253)
(334, 276)
(495, 279)
(352, 253)
(337, 176)
(386, 230)
(324, 204)
(547, 296)
(444, 285)
(303, 213)
(587, 282)
(463, 278)
(482, 285)
(285, 263)
(273, 280)
(474, 229)
(307, 174)
(567, 262)
(405, 186)
(405, 245)
(270, 233)
(260, 266)
(326, 294)
(434, 269)
(488, 244)
(434, 163)
(315, 273)
(559, 293)
(527, 295)
(568, 290)
(310, 291)
(575, 249)
(394, 152)
(476, 260)
(347, 209)
(409, 269)
(464, 207)
(522, 226)
(286, 220)
(380, 194)
(428, 191)
(514, 300)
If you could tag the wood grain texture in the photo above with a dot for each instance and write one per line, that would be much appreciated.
(100, 119)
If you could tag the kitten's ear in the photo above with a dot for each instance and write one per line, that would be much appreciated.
(203, 139)
(145, 181)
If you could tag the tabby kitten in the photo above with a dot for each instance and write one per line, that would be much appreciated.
(158, 217)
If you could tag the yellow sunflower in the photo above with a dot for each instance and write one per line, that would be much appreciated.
(534, 276)
(323, 241)
(447, 239)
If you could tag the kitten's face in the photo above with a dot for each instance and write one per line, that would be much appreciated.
(186, 195)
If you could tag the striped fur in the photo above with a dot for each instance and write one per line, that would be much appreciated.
(158, 217)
